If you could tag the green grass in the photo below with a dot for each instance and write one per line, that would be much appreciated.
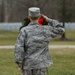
(9, 38)
(64, 62)
(62, 42)
(69, 35)
(7, 65)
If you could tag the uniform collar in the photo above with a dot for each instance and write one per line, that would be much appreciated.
(33, 23)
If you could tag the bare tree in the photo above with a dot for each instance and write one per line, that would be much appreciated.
(16, 10)
(63, 16)
(66, 13)
(5, 10)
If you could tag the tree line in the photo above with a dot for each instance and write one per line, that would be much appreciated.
(16, 10)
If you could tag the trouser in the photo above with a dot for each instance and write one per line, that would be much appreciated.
(35, 72)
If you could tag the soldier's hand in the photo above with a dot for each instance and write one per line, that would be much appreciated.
(20, 69)
(45, 17)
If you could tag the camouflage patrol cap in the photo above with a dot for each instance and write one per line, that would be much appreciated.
(34, 11)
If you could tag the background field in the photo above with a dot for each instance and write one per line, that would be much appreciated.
(9, 38)
(64, 59)
(64, 62)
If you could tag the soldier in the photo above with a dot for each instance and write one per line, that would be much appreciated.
(31, 48)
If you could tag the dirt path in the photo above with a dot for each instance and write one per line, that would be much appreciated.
(50, 46)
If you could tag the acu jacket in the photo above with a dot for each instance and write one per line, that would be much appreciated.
(31, 48)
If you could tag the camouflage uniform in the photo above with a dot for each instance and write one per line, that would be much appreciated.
(31, 49)
(35, 72)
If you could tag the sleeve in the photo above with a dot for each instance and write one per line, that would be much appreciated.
(19, 48)
(56, 28)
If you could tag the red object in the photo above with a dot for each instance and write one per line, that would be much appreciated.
(40, 21)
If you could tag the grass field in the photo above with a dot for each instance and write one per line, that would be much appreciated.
(64, 59)
(9, 38)
(64, 62)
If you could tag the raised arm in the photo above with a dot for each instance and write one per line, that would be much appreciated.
(56, 28)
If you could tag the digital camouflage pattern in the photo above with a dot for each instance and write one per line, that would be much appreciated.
(35, 72)
(31, 48)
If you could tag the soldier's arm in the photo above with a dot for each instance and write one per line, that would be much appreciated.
(56, 27)
(19, 48)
